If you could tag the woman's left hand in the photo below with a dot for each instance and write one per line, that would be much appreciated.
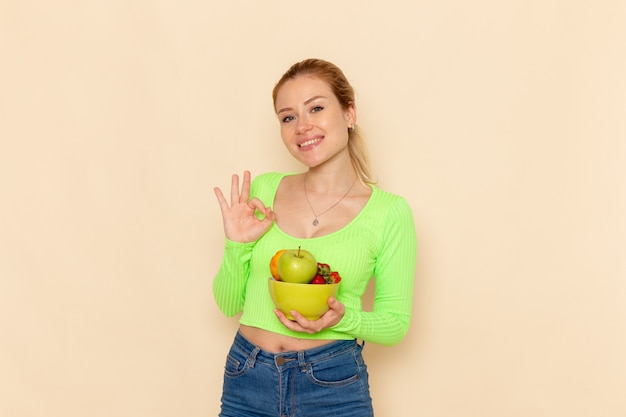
(328, 319)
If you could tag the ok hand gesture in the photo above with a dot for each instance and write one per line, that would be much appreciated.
(240, 223)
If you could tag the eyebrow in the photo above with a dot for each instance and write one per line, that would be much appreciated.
(307, 101)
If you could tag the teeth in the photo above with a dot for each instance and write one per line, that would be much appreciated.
(309, 142)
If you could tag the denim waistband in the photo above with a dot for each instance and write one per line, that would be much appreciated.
(301, 357)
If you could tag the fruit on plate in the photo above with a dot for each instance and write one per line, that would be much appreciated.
(334, 278)
(325, 275)
(297, 266)
(274, 263)
(318, 280)
(292, 272)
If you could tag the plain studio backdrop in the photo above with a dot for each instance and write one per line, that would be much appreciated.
(501, 122)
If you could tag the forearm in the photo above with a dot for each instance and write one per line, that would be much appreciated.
(382, 328)
(229, 283)
(394, 273)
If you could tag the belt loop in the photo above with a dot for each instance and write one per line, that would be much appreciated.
(301, 358)
(252, 356)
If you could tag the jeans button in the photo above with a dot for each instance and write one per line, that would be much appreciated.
(280, 361)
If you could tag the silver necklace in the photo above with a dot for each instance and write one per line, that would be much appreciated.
(315, 221)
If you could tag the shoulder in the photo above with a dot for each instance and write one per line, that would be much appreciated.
(382, 198)
(265, 185)
(268, 179)
(396, 220)
(390, 208)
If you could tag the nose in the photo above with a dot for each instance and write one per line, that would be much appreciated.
(303, 125)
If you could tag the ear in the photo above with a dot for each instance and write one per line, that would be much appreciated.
(350, 115)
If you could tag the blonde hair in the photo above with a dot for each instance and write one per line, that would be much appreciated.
(334, 77)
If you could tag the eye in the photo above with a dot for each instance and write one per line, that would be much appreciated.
(287, 119)
(316, 109)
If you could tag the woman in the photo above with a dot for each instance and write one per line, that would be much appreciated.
(279, 367)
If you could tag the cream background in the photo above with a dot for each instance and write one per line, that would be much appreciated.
(502, 123)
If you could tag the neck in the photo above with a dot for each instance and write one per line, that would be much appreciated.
(330, 179)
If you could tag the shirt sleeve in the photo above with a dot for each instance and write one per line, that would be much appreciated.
(229, 284)
(394, 275)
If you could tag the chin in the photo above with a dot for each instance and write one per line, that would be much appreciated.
(312, 164)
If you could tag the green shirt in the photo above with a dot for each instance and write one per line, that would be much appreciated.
(379, 242)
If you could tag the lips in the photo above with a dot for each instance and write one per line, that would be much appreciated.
(310, 142)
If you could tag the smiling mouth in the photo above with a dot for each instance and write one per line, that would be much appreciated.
(309, 142)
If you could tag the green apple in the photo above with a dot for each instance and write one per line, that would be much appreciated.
(297, 266)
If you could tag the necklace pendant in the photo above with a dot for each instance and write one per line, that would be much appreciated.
(315, 222)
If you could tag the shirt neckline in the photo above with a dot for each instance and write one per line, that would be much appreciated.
(349, 225)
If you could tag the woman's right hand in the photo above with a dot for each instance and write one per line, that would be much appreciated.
(240, 223)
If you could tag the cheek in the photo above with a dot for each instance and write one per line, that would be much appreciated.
(286, 135)
(340, 124)
(341, 132)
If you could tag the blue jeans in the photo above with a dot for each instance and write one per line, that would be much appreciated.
(329, 380)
